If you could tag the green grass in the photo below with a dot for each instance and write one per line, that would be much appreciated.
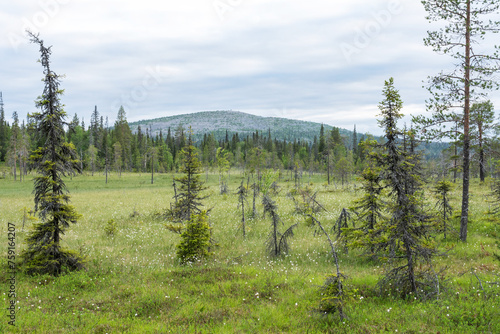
(133, 283)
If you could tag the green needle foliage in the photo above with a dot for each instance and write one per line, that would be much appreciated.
(402, 239)
(408, 229)
(187, 198)
(496, 210)
(195, 242)
(465, 24)
(111, 229)
(242, 198)
(53, 161)
(369, 211)
(442, 191)
(496, 195)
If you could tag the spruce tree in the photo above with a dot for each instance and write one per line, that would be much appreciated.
(13, 153)
(407, 232)
(223, 167)
(123, 135)
(54, 160)
(322, 140)
(4, 132)
(402, 239)
(188, 194)
(24, 151)
(334, 293)
(95, 132)
(355, 145)
(195, 243)
(442, 191)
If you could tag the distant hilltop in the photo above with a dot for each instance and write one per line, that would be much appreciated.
(218, 122)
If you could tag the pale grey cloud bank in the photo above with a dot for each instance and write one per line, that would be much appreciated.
(317, 60)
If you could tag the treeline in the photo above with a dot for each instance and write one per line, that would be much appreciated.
(102, 147)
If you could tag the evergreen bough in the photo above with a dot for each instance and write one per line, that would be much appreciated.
(54, 160)
(369, 211)
(195, 242)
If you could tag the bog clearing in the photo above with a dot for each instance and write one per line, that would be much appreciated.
(133, 281)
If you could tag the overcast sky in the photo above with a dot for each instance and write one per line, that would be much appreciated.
(317, 60)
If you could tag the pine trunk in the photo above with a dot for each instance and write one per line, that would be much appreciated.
(455, 165)
(152, 169)
(482, 171)
(254, 211)
(465, 193)
(243, 217)
(328, 168)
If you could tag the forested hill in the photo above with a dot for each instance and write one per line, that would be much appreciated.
(217, 122)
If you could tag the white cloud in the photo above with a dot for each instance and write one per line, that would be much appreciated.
(259, 56)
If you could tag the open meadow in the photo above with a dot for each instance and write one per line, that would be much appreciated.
(133, 282)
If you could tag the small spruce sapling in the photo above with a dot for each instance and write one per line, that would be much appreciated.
(341, 224)
(254, 187)
(496, 210)
(195, 240)
(442, 191)
(242, 198)
(223, 167)
(111, 229)
(496, 195)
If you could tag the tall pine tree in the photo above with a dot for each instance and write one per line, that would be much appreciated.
(474, 73)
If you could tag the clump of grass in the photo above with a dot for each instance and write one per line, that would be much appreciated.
(135, 214)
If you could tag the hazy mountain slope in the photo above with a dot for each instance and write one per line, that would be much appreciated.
(217, 122)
